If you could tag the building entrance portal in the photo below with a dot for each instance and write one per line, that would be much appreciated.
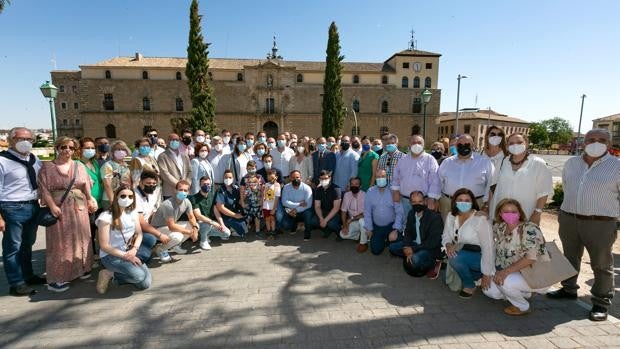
(271, 129)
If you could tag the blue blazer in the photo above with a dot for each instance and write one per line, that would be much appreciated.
(327, 163)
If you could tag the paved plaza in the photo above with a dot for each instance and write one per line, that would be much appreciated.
(287, 294)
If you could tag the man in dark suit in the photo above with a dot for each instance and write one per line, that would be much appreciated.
(322, 160)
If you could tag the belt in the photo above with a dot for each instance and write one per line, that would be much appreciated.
(450, 197)
(589, 218)
(35, 201)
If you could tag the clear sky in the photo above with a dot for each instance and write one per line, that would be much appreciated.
(529, 58)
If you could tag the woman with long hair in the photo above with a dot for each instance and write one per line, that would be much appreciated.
(494, 146)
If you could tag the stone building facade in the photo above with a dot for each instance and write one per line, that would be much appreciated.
(610, 123)
(123, 96)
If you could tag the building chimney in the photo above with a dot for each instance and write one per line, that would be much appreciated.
(138, 56)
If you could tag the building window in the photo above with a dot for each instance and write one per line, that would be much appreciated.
(405, 65)
(355, 131)
(405, 82)
(64, 122)
(77, 122)
(145, 75)
(108, 101)
(61, 88)
(384, 107)
(356, 79)
(269, 80)
(239, 77)
(74, 89)
(270, 106)
(300, 78)
(110, 131)
(429, 65)
(415, 129)
(356, 105)
(63, 105)
(417, 105)
(451, 129)
(179, 76)
(615, 130)
(466, 129)
(439, 133)
(427, 82)
(384, 79)
(384, 130)
(76, 105)
(146, 104)
(416, 82)
(179, 104)
(108, 74)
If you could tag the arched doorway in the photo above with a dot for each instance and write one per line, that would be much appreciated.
(271, 129)
(415, 130)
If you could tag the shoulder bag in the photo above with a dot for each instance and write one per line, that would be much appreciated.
(45, 218)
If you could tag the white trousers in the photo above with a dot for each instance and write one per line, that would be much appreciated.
(515, 290)
(356, 231)
(176, 238)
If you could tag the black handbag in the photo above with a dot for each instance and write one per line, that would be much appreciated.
(45, 218)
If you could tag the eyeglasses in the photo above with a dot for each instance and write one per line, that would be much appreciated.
(493, 134)
(65, 147)
(125, 196)
(21, 139)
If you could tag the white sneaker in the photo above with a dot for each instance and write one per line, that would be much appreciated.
(205, 245)
(163, 255)
(178, 250)
(235, 234)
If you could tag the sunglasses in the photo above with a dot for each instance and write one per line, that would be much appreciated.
(153, 135)
(65, 147)
(493, 134)
(125, 196)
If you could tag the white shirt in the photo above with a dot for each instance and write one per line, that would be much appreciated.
(118, 238)
(146, 205)
(178, 159)
(281, 159)
(474, 173)
(157, 151)
(496, 160)
(241, 163)
(530, 182)
(475, 231)
(14, 181)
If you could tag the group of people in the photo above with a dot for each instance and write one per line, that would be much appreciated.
(479, 210)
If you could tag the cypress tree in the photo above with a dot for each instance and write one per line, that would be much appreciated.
(202, 115)
(333, 108)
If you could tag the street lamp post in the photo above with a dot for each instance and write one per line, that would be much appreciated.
(458, 94)
(426, 97)
(50, 92)
(583, 97)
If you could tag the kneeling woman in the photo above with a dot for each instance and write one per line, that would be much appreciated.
(120, 237)
(518, 244)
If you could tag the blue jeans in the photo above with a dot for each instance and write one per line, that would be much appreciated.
(379, 238)
(396, 247)
(333, 225)
(207, 230)
(290, 223)
(146, 247)
(280, 214)
(128, 273)
(421, 263)
(235, 224)
(17, 240)
(467, 265)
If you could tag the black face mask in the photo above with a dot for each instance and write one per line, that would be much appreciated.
(355, 190)
(149, 189)
(312, 147)
(345, 145)
(463, 149)
(104, 148)
(356, 145)
(187, 140)
(296, 182)
(153, 140)
(436, 154)
(418, 207)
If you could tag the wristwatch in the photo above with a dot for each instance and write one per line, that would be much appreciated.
(539, 210)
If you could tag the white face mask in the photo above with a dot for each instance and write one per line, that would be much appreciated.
(416, 148)
(203, 154)
(119, 154)
(495, 140)
(23, 147)
(208, 140)
(126, 202)
(516, 149)
(596, 149)
(324, 183)
(267, 165)
(300, 150)
(200, 139)
(226, 140)
(228, 181)
(218, 147)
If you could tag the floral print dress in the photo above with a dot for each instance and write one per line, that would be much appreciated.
(526, 240)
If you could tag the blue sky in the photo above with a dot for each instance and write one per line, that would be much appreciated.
(529, 59)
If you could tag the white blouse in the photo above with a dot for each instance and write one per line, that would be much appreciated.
(476, 230)
(118, 238)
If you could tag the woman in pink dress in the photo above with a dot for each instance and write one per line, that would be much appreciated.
(69, 252)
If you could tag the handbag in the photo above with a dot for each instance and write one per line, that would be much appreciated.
(45, 218)
(546, 272)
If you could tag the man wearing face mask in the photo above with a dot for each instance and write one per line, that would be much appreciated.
(220, 161)
(588, 219)
(153, 138)
(327, 198)
(465, 170)
(297, 203)
(268, 165)
(352, 215)
(416, 172)
(167, 220)
(356, 145)
(103, 150)
(187, 145)
(146, 204)
(199, 137)
(390, 157)
(383, 218)
(437, 151)
(377, 146)
(421, 246)
(261, 137)
(208, 218)
(250, 141)
(227, 142)
(346, 164)
(322, 160)
(173, 166)
(18, 210)
(282, 156)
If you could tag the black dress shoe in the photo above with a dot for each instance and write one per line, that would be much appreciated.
(598, 313)
(22, 290)
(36, 280)
(561, 294)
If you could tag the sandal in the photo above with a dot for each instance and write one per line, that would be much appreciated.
(514, 311)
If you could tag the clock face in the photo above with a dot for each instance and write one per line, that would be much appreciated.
(417, 66)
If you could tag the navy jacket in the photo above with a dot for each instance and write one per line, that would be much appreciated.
(328, 162)
(431, 229)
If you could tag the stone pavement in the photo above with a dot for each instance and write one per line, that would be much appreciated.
(287, 294)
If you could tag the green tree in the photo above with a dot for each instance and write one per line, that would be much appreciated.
(538, 134)
(560, 131)
(202, 115)
(333, 107)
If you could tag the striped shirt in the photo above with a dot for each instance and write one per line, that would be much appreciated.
(388, 163)
(593, 191)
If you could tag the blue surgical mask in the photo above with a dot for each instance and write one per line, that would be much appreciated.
(144, 150)
(376, 147)
(271, 145)
(89, 153)
(330, 145)
(463, 206)
(249, 142)
(321, 146)
(181, 195)
(281, 144)
(453, 150)
(381, 182)
(260, 152)
(365, 147)
(262, 139)
(391, 148)
(174, 144)
(241, 147)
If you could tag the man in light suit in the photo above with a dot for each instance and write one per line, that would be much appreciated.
(173, 166)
